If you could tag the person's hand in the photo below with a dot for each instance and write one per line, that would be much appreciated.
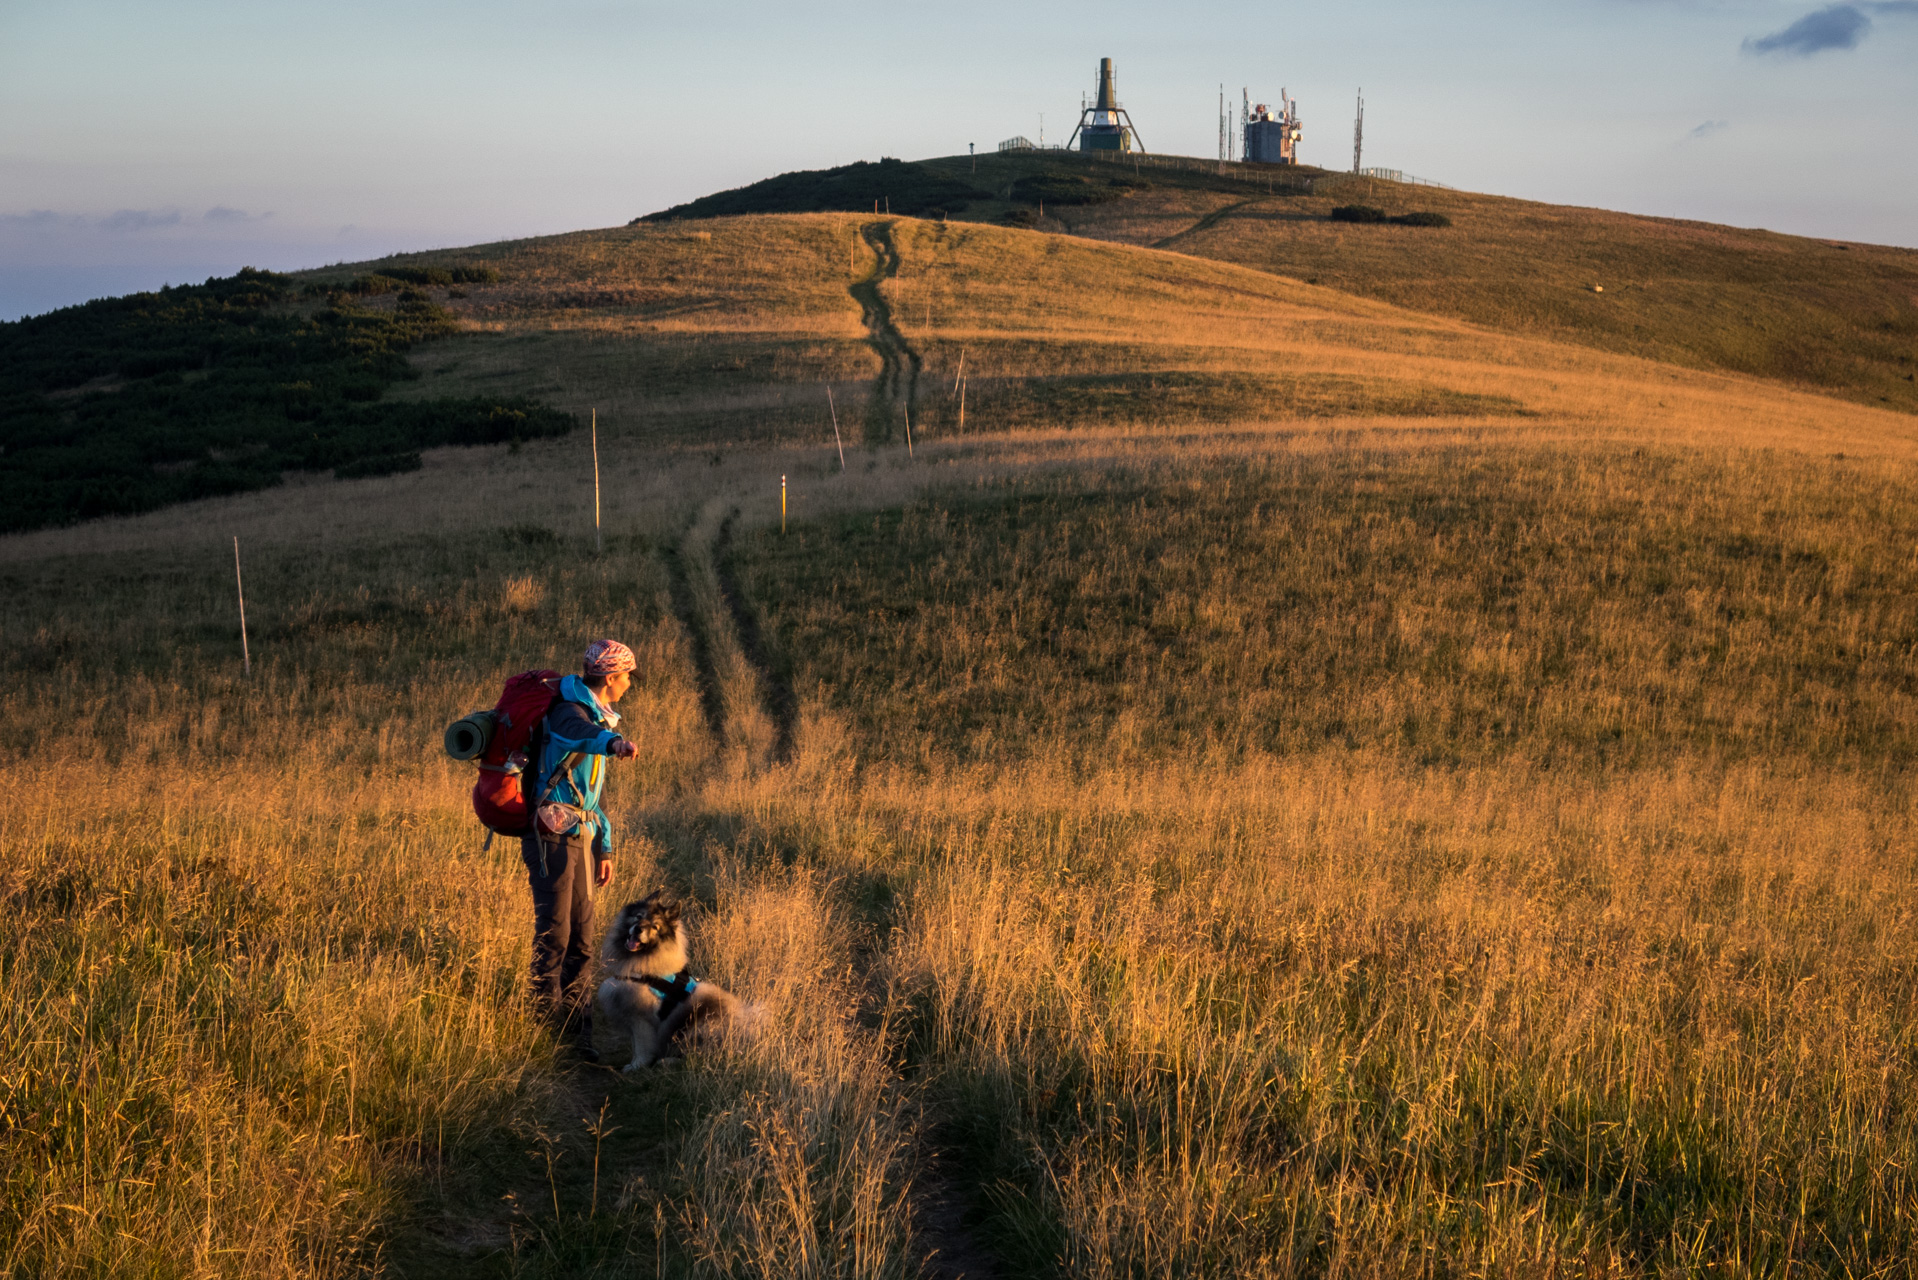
(603, 874)
(624, 750)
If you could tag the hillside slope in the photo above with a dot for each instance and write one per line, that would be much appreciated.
(734, 329)
(1839, 317)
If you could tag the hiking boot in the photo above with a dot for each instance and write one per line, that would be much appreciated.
(579, 1033)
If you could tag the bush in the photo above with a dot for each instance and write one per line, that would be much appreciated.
(386, 464)
(1020, 217)
(1069, 189)
(396, 279)
(271, 388)
(895, 185)
(1366, 213)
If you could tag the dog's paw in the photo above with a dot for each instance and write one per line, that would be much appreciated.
(637, 1064)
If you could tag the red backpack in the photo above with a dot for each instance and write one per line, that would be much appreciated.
(496, 737)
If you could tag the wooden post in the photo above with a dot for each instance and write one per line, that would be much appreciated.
(782, 505)
(907, 410)
(836, 438)
(246, 654)
(598, 546)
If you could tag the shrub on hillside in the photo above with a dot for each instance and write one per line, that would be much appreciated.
(1069, 189)
(395, 279)
(1367, 213)
(386, 464)
(893, 185)
(218, 388)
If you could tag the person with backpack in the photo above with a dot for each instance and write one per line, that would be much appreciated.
(568, 848)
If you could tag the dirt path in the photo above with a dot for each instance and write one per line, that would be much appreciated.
(898, 382)
(1206, 223)
(729, 644)
(782, 706)
(686, 609)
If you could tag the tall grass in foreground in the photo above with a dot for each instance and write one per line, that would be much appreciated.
(1475, 862)
(1482, 861)
(258, 979)
(261, 990)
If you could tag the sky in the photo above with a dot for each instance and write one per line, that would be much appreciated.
(143, 144)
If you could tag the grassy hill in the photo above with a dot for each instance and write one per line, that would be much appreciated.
(123, 405)
(1289, 785)
(733, 329)
(1839, 317)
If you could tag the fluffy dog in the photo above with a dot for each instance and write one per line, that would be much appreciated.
(646, 993)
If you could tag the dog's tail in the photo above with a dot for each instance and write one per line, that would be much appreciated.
(747, 1022)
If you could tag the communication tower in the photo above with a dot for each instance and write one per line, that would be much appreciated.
(1105, 125)
(1358, 133)
(1272, 137)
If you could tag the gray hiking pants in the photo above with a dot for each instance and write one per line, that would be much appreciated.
(562, 928)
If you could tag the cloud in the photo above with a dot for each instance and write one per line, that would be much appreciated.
(139, 219)
(1837, 26)
(1710, 127)
(41, 219)
(222, 213)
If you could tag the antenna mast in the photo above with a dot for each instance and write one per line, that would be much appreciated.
(1358, 133)
(1221, 128)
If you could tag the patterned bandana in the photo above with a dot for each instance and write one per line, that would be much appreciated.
(609, 657)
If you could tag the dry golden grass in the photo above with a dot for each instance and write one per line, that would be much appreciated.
(728, 338)
(1806, 312)
(1104, 860)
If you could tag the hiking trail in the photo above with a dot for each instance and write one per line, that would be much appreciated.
(1206, 223)
(899, 364)
(776, 692)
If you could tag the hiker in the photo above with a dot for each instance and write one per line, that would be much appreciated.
(567, 754)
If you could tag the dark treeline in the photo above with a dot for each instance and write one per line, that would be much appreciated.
(895, 186)
(128, 404)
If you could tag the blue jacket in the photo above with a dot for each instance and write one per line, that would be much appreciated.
(577, 723)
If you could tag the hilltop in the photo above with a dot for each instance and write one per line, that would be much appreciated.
(735, 330)
(1839, 317)
(1074, 291)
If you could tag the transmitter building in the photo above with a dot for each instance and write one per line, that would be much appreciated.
(1273, 138)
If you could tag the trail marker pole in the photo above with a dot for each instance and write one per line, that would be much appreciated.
(782, 506)
(599, 547)
(959, 376)
(836, 438)
(907, 410)
(246, 654)
(962, 405)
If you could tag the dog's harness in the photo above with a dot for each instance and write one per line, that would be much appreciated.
(672, 992)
